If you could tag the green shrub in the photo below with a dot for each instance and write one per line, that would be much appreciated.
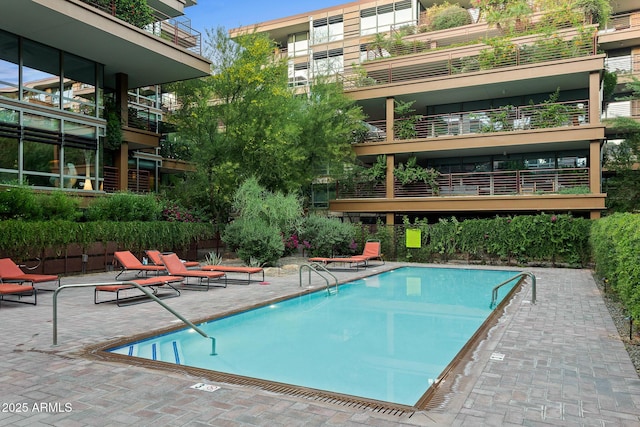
(451, 17)
(324, 236)
(19, 203)
(616, 250)
(255, 241)
(59, 205)
(124, 206)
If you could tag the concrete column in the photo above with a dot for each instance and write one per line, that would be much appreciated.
(122, 102)
(122, 107)
(595, 167)
(389, 119)
(594, 98)
(389, 180)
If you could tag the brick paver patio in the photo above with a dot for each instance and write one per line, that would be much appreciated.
(562, 363)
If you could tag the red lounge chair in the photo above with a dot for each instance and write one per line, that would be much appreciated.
(235, 269)
(175, 267)
(19, 291)
(11, 273)
(129, 262)
(152, 282)
(371, 251)
(156, 258)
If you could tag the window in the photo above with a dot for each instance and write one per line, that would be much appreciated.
(298, 73)
(40, 74)
(9, 68)
(298, 44)
(383, 18)
(328, 29)
(79, 94)
(328, 62)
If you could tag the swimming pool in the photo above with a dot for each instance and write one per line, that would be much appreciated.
(386, 337)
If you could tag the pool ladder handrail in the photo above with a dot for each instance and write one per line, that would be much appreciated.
(320, 269)
(494, 293)
(143, 290)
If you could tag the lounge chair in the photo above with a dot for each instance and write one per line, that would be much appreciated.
(371, 251)
(175, 267)
(235, 269)
(154, 283)
(156, 258)
(129, 262)
(18, 291)
(11, 273)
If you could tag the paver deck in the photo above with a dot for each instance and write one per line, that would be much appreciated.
(563, 364)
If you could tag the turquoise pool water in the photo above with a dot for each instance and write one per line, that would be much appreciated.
(385, 337)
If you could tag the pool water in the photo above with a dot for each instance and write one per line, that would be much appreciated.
(385, 337)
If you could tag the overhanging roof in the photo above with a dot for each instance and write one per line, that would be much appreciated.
(78, 28)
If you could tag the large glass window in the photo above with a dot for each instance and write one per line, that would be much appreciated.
(79, 94)
(328, 29)
(9, 160)
(328, 62)
(383, 18)
(9, 69)
(40, 74)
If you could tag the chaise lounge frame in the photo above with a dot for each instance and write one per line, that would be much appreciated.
(128, 262)
(154, 283)
(235, 269)
(18, 290)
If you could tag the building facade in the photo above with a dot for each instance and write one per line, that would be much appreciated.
(80, 104)
(505, 116)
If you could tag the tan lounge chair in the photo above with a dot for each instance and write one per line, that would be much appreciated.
(175, 267)
(156, 258)
(11, 273)
(154, 283)
(129, 262)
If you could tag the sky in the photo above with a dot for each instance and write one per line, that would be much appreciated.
(211, 14)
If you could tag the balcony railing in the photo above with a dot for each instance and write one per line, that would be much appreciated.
(541, 181)
(460, 60)
(508, 118)
(623, 65)
(175, 30)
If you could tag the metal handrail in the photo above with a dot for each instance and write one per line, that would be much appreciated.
(494, 293)
(318, 268)
(134, 284)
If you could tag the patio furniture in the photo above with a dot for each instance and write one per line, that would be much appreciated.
(175, 267)
(11, 273)
(154, 283)
(129, 262)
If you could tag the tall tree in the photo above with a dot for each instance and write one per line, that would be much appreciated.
(244, 120)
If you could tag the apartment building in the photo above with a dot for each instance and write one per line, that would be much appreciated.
(80, 104)
(504, 120)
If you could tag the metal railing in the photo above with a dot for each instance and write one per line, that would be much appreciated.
(125, 283)
(494, 292)
(505, 119)
(526, 181)
(454, 61)
(320, 270)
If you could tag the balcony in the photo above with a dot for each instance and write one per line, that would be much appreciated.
(503, 183)
(525, 50)
(508, 118)
(175, 30)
